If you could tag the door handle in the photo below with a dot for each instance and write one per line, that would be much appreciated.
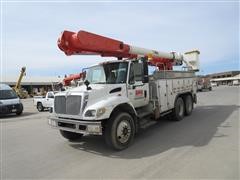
(145, 93)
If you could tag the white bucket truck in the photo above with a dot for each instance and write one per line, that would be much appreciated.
(119, 97)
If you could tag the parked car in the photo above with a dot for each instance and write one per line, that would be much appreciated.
(214, 84)
(44, 102)
(9, 101)
(236, 82)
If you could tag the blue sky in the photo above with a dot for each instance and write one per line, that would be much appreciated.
(30, 32)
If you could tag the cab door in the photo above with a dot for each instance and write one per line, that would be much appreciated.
(162, 85)
(137, 89)
(49, 99)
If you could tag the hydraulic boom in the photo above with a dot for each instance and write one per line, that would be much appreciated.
(86, 43)
(18, 84)
(67, 80)
(17, 88)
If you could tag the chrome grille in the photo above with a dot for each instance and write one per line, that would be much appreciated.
(68, 105)
(60, 104)
(73, 105)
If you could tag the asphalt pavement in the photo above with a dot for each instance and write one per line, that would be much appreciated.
(203, 145)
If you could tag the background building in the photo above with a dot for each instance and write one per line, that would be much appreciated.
(226, 78)
(224, 74)
(35, 85)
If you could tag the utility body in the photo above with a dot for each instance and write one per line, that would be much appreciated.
(119, 97)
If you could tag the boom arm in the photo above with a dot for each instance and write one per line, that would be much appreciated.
(67, 80)
(22, 73)
(86, 43)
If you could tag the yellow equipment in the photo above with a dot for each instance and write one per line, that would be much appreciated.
(20, 92)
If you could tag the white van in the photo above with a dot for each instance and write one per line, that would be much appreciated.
(9, 101)
(236, 82)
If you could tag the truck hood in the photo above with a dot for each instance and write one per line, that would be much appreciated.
(98, 91)
(101, 95)
(10, 101)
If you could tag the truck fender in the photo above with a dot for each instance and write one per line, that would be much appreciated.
(129, 108)
(110, 103)
(125, 107)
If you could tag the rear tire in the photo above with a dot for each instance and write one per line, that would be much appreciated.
(70, 135)
(40, 107)
(188, 101)
(179, 109)
(119, 131)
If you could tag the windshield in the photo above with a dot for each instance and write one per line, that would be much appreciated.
(112, 73)
(7, 94)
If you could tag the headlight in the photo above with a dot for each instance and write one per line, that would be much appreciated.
(52, 123)
(90, 113)
(101, 111)
(93, 113)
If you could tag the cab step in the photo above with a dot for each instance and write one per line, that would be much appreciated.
(145, 123)
(143, 114)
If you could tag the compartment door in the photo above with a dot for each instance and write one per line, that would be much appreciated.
(170, 94)
(162, 90)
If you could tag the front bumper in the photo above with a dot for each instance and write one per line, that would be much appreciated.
(77, 126)
(11, 108)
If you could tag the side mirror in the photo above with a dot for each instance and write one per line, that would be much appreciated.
(131, 80)
(87, 84)
(145, 71)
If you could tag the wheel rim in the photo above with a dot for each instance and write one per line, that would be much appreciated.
(39, 107)
(123, 131)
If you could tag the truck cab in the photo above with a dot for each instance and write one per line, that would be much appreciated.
(119, 97)
(106, 85)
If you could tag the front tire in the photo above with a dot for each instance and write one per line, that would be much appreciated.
(179, 109)
(40, 107)
(119, 131)
(70, 135)
(20, 110)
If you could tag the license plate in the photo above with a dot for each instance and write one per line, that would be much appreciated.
(14, 110)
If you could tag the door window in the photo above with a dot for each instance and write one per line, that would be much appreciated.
(136, 73)
(50, 95)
